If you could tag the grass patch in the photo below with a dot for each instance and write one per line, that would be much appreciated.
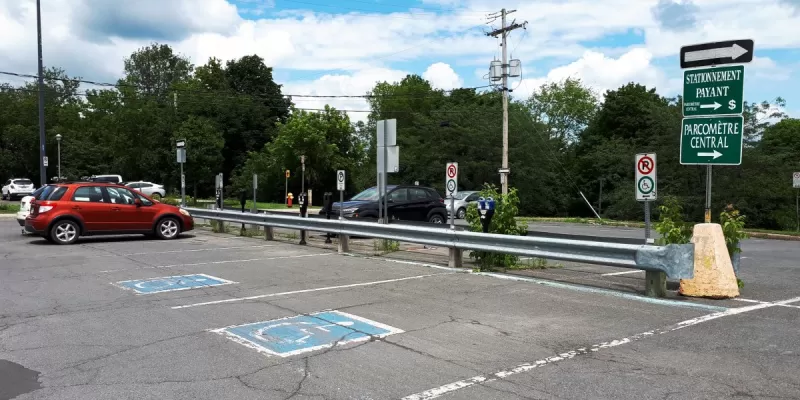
(384, 246)
(535, 263)
(637, 224)
(9, 208)
(587, 221)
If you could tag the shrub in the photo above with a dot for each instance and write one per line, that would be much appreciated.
(671, 225)
(504, 222)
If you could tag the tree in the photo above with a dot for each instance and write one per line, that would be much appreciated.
(204, 145)
(327, 140)
(566, 108)
(154, 69)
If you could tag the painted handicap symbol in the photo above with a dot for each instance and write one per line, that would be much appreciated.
(303, 333)
(298, 333)
(172, 283)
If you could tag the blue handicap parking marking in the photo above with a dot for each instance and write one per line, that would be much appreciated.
(303, 333)
(172, 283)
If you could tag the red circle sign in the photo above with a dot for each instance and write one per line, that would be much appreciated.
(645, 165)
(451, 171)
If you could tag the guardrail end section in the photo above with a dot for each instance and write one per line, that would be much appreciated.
(676, 260)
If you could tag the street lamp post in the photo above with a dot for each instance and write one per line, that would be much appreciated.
(58, 140)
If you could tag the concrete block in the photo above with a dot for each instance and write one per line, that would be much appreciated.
(713, 271)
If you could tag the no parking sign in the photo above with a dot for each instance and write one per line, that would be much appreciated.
(646, 177)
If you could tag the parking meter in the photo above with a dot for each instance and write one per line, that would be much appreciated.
(486, 209)
(327, 207)
(302, 201)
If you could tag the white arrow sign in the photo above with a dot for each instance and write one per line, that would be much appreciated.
(714, 105)
(733, 52)
(714, 154)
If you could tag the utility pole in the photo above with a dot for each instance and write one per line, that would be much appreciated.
(503, 74)
(42, 153)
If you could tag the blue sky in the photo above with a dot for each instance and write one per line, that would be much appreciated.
(344, 47)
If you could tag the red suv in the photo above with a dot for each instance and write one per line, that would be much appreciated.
(71, 210)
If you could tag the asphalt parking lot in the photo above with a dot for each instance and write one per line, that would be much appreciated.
(243, 318)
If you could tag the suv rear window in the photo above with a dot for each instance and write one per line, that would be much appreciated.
(44, 192)
(22, 182)
(57, 194)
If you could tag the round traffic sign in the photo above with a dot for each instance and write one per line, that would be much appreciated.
(451, 185)
(645, 165)
(797, 175)
(646, 185)
(340, 176)
(451, 171)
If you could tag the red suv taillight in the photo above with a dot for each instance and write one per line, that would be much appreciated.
(37, 208)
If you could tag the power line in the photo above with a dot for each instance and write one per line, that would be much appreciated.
(179, 90)
(206, 97)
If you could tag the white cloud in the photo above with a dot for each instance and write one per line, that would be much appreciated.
(602, 73)
(358, 83)
(442, 76)
(765, 68)
(353, 49)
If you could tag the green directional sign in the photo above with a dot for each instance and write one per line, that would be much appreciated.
(713, 91)
(715, 141)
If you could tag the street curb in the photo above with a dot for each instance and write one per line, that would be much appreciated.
(8, 216)
(773, 236)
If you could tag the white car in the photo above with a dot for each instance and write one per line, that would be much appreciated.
(25, 205)
(151, 189)
(462, 201)
(17, 187)
(106, 178)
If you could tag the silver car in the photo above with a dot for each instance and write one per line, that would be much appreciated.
(461, 203)
(151, 189)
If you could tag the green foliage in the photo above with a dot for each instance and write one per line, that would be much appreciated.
(504, 222)
(383, 246)
(563, 140)
(733, 228)
(671, 225)
(6, 208)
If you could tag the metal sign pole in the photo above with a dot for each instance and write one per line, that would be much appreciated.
(647, 221)
(797, 208)
(183, 187)
(303, 174)
(385, 173)
(452, 212)
(255, 187)
(708, 194)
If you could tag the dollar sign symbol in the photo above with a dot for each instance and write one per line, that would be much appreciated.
(732, 104)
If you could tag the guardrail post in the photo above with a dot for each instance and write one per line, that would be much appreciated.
(456, 259)
(268, 234)
(344, 244)
(655, 284)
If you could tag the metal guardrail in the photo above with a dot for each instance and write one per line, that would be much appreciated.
(675, 260)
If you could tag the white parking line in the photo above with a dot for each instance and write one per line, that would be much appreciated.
(214, 262)
(622, 273)
(480, 379)
(352, 285)
(766, 302)
(203, 249)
